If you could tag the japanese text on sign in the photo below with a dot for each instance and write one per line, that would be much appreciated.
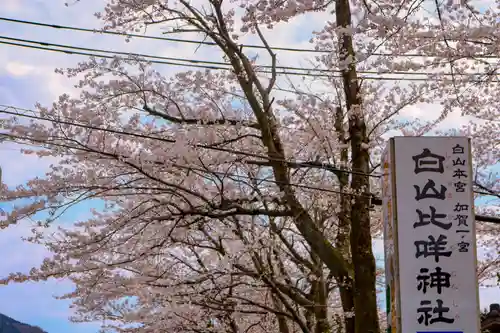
(436, 235)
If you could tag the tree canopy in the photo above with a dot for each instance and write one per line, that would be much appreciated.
(240, 200)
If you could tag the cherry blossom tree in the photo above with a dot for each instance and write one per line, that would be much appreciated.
(232, 205)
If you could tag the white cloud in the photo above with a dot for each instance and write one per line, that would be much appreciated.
(18, 69)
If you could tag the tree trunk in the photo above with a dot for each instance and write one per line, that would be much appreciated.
(365, 302)
(315, 238)
(344, 227)
(365, 298)
(319, 295)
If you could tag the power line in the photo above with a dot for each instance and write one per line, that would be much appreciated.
(119, 52)
(218, 63)
(364, 77)
(302, 164)
(72, 122)
(104, 56)
(169, 39)
(47, 44)
(374, 200)
(198, 42)
(220, 173)
(202, 66)
(178, 40)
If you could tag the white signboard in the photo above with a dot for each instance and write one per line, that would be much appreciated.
(438, 289)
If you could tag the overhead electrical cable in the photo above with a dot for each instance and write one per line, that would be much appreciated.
(74, 123)
(219, 63)
(375, 200)
(201, 42)
(207, 64)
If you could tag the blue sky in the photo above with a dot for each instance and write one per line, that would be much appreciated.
(26, 77)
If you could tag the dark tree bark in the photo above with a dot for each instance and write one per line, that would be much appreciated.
(363, 261)
(344, 226)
